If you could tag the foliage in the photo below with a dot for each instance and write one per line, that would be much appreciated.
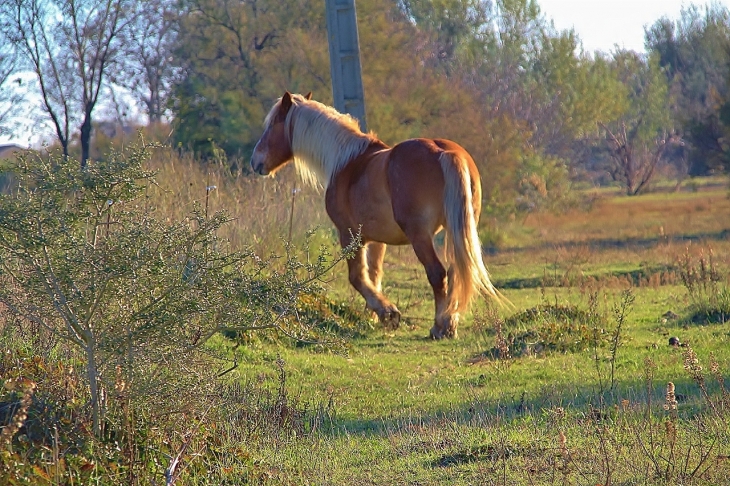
(232, 68)
(693, 51)
(457, 29)
(207, 437)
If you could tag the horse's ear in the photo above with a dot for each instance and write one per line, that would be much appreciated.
(308, 96)
(285, 102)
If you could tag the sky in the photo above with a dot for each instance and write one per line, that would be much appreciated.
(602, 24)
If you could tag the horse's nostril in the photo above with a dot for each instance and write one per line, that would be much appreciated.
(256, 167)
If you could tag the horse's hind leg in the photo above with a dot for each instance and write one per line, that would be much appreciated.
(360, 278)
(444, 323)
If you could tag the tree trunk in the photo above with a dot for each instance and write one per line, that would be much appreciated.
(85, 139)
(92, 376)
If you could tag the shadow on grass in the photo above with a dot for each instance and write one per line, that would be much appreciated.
(620, 243)
(636, 277)
(583, 405)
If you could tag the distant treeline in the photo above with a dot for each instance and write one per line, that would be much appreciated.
(536, 111)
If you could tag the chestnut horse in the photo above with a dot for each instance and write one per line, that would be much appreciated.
(392, 196)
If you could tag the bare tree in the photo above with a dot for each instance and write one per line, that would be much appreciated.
(148, 69)
(70, 45)
(638, 139)
(634, 163)
(10, 97)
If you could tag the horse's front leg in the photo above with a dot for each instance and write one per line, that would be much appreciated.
(361, 277)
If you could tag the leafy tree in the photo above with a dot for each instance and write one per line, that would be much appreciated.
(535, 93)
(235, 59)
(694, 52)
(457, 30)
(577, 91)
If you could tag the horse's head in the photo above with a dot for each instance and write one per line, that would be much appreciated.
(273, 149)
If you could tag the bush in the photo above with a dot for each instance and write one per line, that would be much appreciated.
(709, 296)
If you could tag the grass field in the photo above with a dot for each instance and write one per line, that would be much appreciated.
(407, 410)
(571, 386)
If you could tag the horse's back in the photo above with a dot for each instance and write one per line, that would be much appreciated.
(423, 154)
(415, 164)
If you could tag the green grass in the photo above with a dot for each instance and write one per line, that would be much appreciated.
(410, 410)
(414, 411)
(393, 374)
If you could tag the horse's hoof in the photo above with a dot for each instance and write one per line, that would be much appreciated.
(447, 327)
(390, 318)
(436, 333)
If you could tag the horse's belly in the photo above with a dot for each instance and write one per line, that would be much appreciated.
(360, 199)
(390, 234)
(379, 225)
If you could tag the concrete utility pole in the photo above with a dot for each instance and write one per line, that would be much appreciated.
(345, 59)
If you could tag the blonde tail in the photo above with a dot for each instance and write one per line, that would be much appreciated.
(468, 274)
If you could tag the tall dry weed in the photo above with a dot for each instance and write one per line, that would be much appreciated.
(706, 286)
(263, 209)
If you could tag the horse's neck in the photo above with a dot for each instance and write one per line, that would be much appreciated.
(326, 151)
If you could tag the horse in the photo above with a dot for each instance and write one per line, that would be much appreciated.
(397, 195)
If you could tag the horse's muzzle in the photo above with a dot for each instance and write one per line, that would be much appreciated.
(258, 167)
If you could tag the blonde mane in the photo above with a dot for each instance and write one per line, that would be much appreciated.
(322, 139)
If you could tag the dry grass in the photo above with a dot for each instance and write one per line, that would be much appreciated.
(648, 230)
(640, 238)
(658, 216)
(261, 208)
